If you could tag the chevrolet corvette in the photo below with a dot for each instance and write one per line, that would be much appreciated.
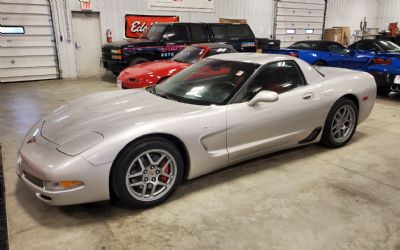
(138, 145)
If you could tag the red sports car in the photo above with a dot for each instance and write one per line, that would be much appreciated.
(151, 73)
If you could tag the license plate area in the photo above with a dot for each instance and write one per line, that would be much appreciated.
(396, 79)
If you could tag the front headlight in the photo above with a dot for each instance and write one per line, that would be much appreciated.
(80, 143)
(61, 185)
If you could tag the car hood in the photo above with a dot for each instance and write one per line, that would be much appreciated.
(108, 112)
(159, 67)
(130, 43)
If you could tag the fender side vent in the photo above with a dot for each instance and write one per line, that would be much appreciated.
(311, 137)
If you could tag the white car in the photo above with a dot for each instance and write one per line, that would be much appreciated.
(139, 145)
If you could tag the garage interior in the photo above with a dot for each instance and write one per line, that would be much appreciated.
(309, 197)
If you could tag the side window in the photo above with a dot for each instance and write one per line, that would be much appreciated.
(336, 48)
(366, 46)
(199, 33)
(279, 77)
(176, 33)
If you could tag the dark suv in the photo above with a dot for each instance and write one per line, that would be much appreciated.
(164, 40)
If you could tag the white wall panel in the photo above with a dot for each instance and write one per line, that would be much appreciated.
(349, 13)
(388, 12)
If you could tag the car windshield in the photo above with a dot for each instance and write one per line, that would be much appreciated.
(210, 81)
(389, 46)
(304, 45)
(155, 32)
(190, 55)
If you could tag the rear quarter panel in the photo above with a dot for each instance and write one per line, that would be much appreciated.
(338, 83)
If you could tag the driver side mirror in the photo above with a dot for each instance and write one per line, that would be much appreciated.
(263, 96)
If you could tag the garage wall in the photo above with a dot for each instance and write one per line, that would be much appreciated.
(388, 12)
(259, 14)
(350, 13)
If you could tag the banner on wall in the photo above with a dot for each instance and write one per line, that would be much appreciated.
(135, 25)
(181, 5)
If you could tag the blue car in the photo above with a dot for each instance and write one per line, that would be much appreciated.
(386, 73)
(384, 66)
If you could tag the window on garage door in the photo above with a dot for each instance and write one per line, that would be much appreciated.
(28, 49)
(298, 20)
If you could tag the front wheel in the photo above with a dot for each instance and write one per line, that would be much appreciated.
(340, 124)
(148, 172)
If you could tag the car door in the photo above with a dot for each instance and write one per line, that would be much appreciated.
(266, 126)
(342, 57)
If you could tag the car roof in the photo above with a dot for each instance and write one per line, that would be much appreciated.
(317, 41)
(257, 58)
(214, 45)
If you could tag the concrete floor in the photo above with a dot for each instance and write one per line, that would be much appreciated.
(307, 198)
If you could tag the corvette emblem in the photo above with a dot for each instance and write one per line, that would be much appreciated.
(32, 140)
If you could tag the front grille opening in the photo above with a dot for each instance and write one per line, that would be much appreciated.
(45, 197)
(38, 182)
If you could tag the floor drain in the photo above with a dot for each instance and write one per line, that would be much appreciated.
(3, 216)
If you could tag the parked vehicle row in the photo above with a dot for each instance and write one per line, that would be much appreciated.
(165, 40)
(380, 58)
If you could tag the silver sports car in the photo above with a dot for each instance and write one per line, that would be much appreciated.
(139, 145)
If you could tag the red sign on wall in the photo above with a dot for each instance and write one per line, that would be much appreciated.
(135, 25)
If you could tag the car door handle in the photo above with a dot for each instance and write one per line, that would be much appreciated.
(308, 96)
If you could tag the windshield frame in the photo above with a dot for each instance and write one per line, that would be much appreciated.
(228, 100)
(144, 35)
(204, 48)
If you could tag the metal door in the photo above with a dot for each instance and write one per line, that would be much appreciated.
(86, 30)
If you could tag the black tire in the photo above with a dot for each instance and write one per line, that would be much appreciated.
(383, 91)
(319, 63)
(138, 60)
(129, 156)
(328, 139)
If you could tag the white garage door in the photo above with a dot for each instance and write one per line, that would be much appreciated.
(27, 47)
(298, 20)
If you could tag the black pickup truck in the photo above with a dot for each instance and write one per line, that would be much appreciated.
(164, 40)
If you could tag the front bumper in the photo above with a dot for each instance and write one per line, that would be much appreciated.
(114, 65)
(40, 161)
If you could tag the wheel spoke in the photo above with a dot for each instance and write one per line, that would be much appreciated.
(144, 189)
(167, 175)
(141, 163)
(150, 159)
(165, 165)
(162, 184)
(153, 189)
(135, 175)
(160, 159)
(136, 184)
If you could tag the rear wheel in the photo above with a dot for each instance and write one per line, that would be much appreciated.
(340, 124)
(138, 60)
(147, 172)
